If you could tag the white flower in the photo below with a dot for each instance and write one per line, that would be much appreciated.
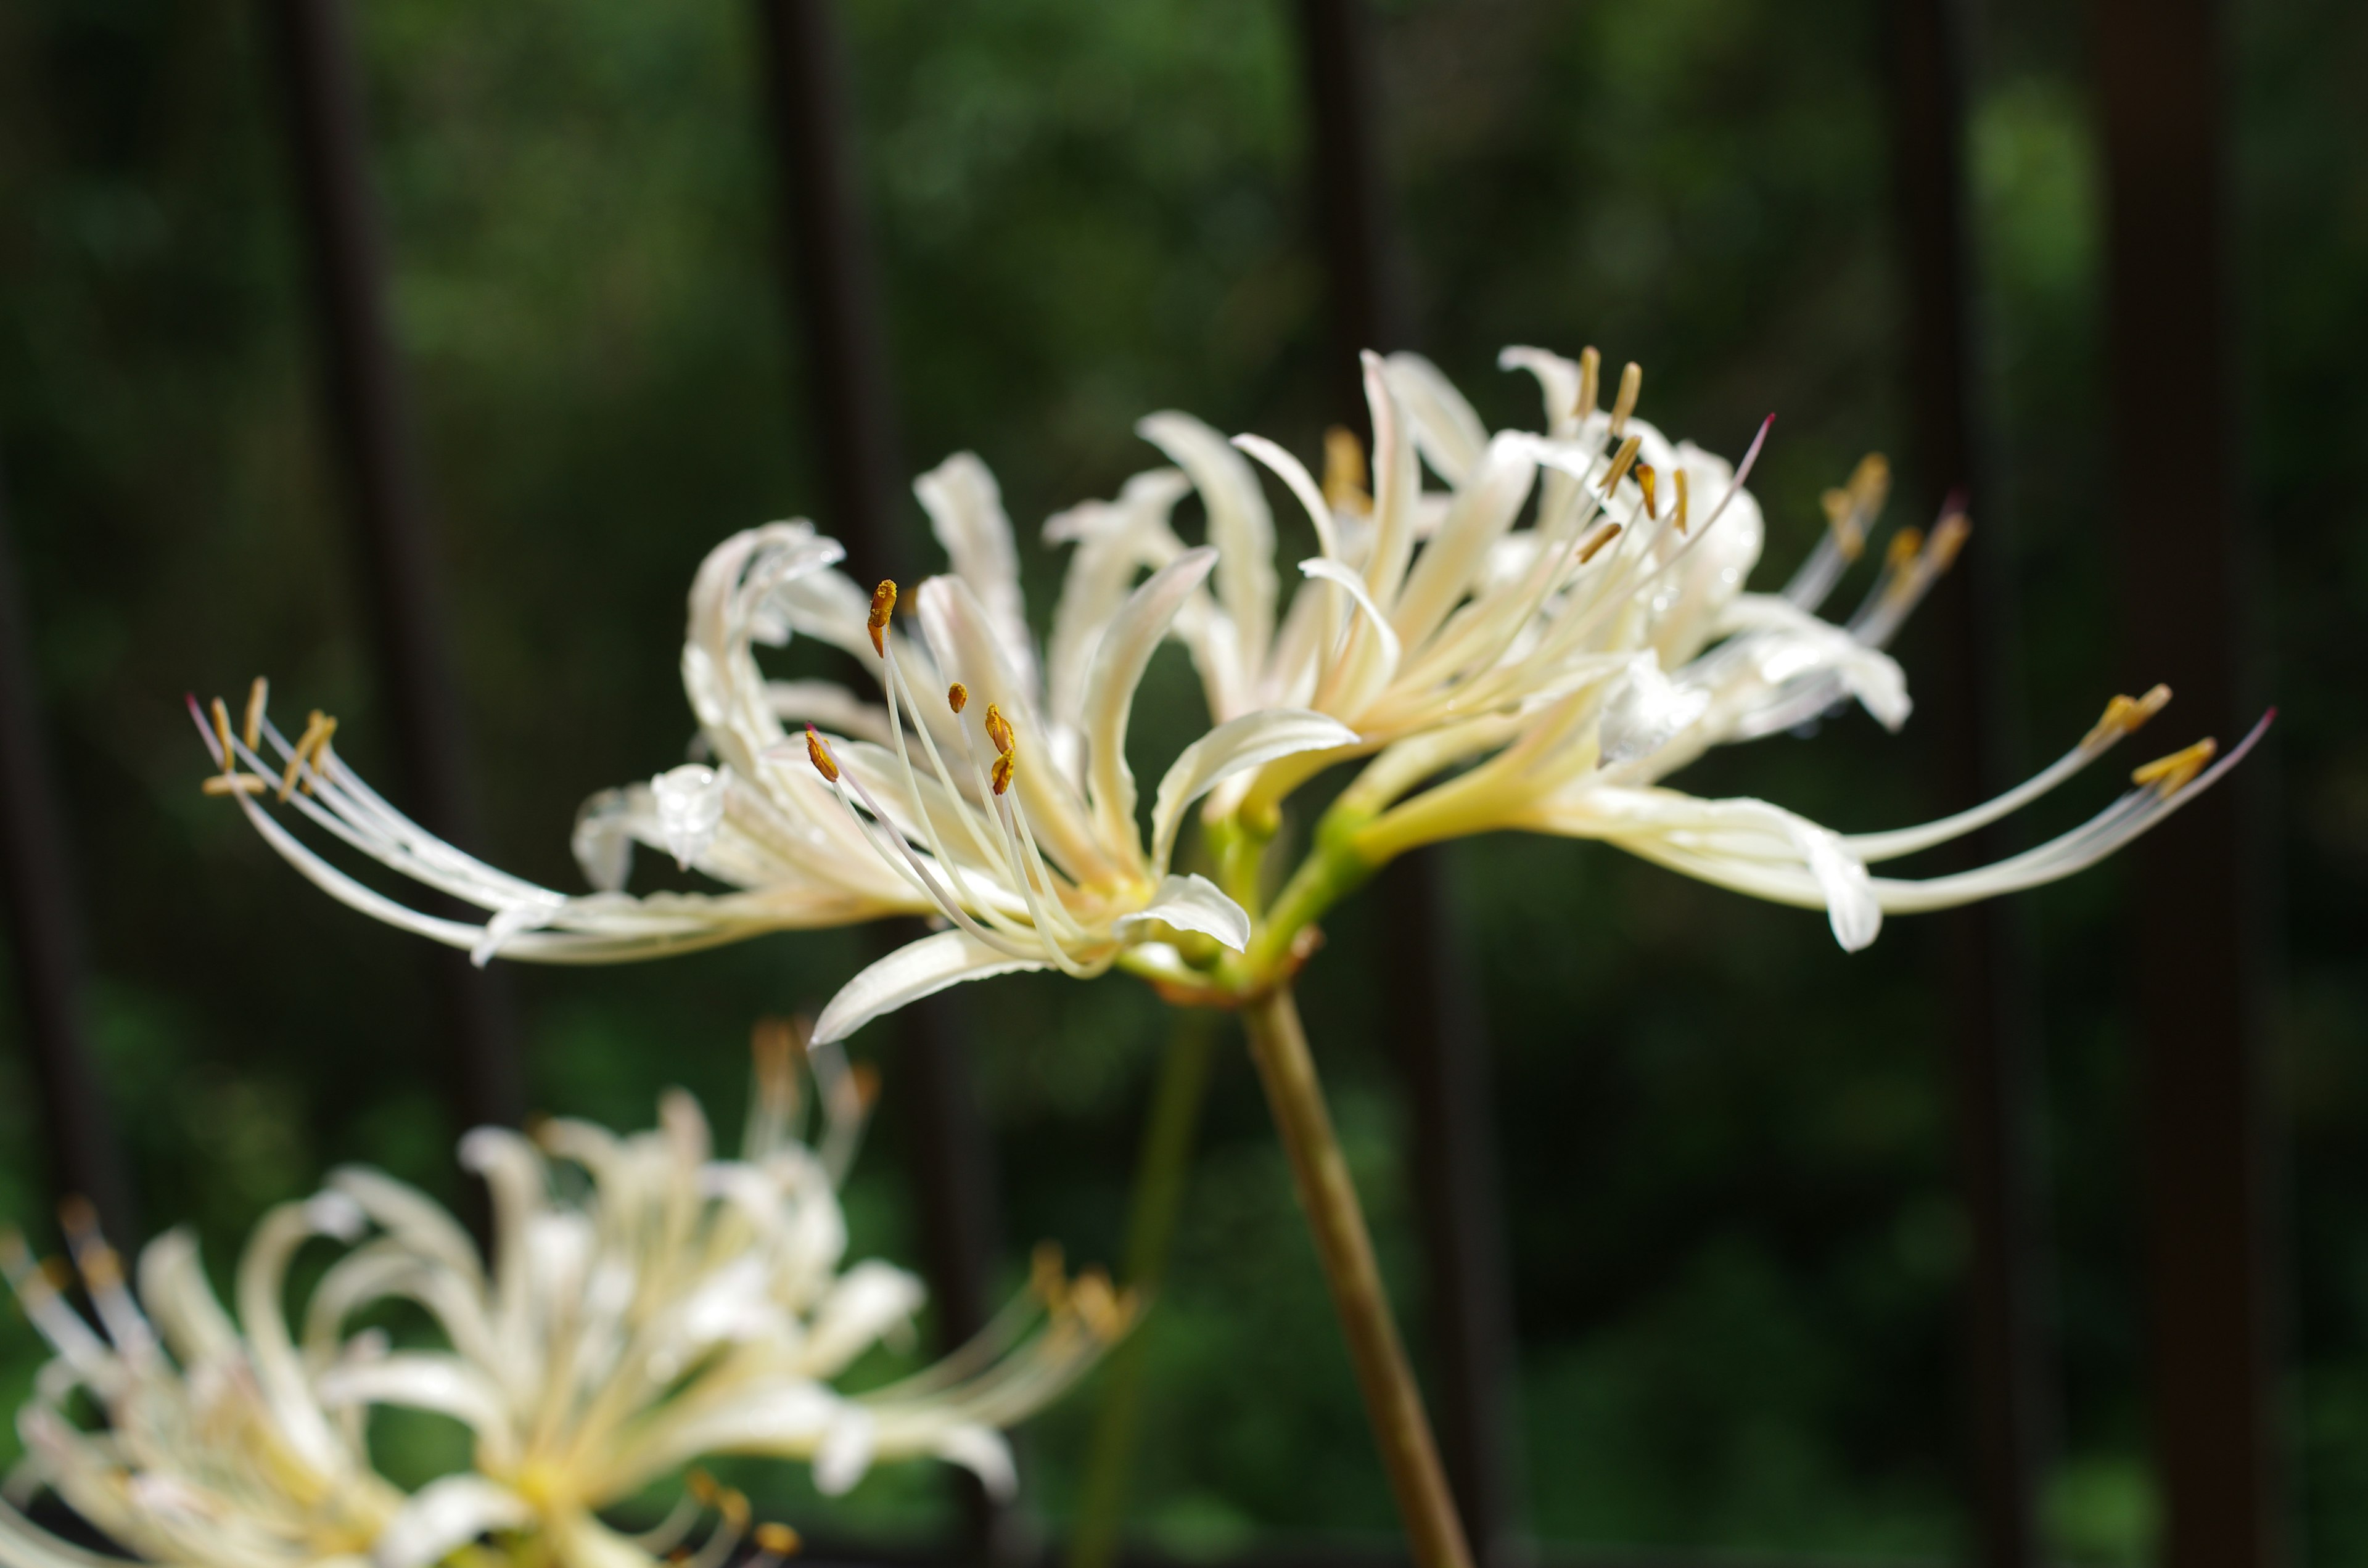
(969, 792)
(1616, 671)
(681, 1305)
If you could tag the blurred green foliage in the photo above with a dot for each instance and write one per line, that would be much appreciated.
(1734, 1232)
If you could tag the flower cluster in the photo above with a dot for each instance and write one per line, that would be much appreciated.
(676, 1305)
(1525, 630)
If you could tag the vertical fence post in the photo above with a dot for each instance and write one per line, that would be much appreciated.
(829, 281)
(1429, 997)
(371, 421)
(2193, 920)
(1993, 1024)
(45, 931)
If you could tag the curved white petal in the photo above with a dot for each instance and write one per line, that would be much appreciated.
(1134, 634)
(1250, 741)
(1558, 383)
(1240, 526)
(445, 1513)
(844, 1452)
(1447, 432)
(913, 971)
(982, 1452)
(965, 509)
(1364, 667)
(1190, 902)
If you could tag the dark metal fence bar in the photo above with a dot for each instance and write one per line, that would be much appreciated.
(828, 279)
(1993, 1024)
(45, 931)
(1428, 998)
(2180, 558)
(370, 422)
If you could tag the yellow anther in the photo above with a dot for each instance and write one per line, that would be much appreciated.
(733, 1503)
(2171, 774)
(1593, 545)
(102, 1268)
(1621, 462)
(1104, 1312)
(1646, 479)
(701, 1486)
(235, 784)
(221, 732)
(998, 731)
(864, 1079)
(2127, 715)
(819, 754)
(883, 605)
(778, 1539)
(1677, 513)
(1047, 1280)
(318, 728)
(999, 773)
(958, 697)
(76, 1217)
(1949, 537)
(257, 695)
(1843, 519)
(1906, 546)
(1591, 382)
(1870, 484)
(1344, 472)
(56, 1273)
(1631, 383)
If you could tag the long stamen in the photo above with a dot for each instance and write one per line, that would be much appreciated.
(897, 684)
(883, 826)
(2122, 716)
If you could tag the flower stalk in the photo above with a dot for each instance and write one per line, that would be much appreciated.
(1160, 1178)
(1392, 1402)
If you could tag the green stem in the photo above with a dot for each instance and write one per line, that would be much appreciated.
(1159, 1183)
(1392, 1402)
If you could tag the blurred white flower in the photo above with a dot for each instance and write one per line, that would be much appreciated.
(668, 1306)
(1624, 659)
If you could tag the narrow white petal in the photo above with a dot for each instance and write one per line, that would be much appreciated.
(1557, 382)
(844, 1452)
(445, 1514)
(1134, 634)
(1447, 432)
(868, 1300)
(1250, 741)
(1240, 526)
(982, 1452)
(965, 509)
(1483, 510)
(1302, 484)
(1364, 668)
(1192, 902)
(913, 971)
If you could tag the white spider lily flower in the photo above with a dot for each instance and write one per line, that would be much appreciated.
(1427, 607)
(671, 1306)
(214, 1449)
(1583, 657)
(920, 804)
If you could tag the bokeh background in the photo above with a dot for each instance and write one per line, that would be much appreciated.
(1725, 1145)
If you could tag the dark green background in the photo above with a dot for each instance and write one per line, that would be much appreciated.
(1734, 1233)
